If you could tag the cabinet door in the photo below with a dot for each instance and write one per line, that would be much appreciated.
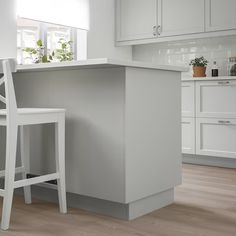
(220, 15)
(188, 135)
(188, 101)
(136, 19)
(216, 99)
(216, 137)
(180, 17)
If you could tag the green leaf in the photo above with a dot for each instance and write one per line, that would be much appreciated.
(198, 61)
(40, 43)
(44, 59)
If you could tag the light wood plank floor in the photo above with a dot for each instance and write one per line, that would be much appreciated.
(205, 205)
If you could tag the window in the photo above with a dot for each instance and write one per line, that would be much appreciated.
(30, 31)
(66, 21)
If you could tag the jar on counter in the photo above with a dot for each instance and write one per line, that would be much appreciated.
(232, 66)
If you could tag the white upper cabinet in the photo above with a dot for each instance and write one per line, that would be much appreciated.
(181, 17)
(150, 21)
(136, 19)
(220, 15)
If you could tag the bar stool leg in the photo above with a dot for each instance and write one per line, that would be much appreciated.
(9, 175)
(25, 159)
(60, 162)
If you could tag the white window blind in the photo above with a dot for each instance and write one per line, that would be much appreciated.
(73, 13)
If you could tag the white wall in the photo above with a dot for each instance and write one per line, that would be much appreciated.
(7, 28)
(102, 32)
(217, 49)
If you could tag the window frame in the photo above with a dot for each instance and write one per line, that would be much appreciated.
(43, 34)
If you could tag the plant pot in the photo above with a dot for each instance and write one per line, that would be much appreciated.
(199, 71)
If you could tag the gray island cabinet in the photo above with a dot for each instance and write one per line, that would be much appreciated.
(123, 132)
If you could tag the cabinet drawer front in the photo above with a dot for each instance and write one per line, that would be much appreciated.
(216, 99)
(188, 135)
(188, 101)
(216, 137)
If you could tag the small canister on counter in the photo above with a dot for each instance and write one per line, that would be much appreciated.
(232, 66)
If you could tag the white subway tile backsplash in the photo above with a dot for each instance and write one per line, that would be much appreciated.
(180, 53)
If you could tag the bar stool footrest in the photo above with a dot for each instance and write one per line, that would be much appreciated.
(36, 180)
(30, 176)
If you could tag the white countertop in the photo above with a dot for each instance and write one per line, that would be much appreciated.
(209, 78)
(96, 63)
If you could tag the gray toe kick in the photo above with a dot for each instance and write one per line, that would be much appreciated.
(150, 204)
(118, 210)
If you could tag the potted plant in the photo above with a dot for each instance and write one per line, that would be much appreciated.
(37, 54)
(199, 66)
(63, 53)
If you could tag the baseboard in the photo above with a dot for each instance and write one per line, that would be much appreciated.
(209, 161)
(103, 207)
(118, 210)
(151, 203)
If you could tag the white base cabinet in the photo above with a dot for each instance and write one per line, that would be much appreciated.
(216, 99)
(216, 137)
(188, 114)
(188, 99)
(188, 135)
(209, 117)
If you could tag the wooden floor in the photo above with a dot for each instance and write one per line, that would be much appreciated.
(205, 205)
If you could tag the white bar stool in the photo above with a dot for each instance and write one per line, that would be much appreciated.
(12, 118)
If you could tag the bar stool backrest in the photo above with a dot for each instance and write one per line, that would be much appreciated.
(7, 66)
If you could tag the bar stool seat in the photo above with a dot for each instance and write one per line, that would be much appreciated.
(13, 117)
(3, 112)
(27, 116)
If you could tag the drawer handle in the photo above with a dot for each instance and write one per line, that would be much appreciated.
(159, 30)
(154, 30)
(223, 82)
(224, 122)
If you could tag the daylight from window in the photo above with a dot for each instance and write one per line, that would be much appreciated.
(45, 36)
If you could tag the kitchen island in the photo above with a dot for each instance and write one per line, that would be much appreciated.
(123, 132)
